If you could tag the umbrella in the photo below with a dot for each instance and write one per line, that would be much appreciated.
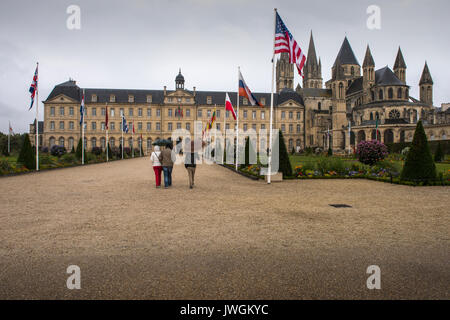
(161, 142)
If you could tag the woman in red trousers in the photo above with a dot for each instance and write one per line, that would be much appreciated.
(157, 166)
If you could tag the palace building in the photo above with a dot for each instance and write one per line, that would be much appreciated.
(312, 115)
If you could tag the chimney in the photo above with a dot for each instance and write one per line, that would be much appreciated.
(194, 91)
(165, 90)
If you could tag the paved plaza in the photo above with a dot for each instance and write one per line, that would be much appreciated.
(228, 238)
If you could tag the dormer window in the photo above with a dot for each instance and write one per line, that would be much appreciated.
(208, 100)
(149, 99)
(94, 98)
(112, 98)
(263, 101)
(245, 101)
(130, 98)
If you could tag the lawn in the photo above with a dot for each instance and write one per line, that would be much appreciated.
(312, 159)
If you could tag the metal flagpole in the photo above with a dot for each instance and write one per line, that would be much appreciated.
(132, 139)
(349, 137)
(224, 130)
(271, 101)
(82, 128)
(237, 123)
(9, 139)
(37, 121)
(215, 132)
(122, 136)
(107, 140)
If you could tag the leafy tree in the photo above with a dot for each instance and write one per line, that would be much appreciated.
(285, 164)
(439, 155)
(27, 156)
(419, 164)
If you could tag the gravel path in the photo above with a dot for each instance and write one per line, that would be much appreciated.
(228, 238)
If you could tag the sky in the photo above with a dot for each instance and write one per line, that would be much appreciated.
(137, 44)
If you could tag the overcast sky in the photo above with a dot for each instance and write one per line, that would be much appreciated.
(137, 44)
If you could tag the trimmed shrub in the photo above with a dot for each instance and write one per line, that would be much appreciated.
(419, 164)
(5, 167)
(110, 153)
(69, 158)
(57, 151)
(27, 157)
(439, 155)
(285, 164)
(79, 151)
(97, 151)
(73, 150)
(370, 152)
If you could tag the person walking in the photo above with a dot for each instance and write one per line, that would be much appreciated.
(157, 166)
(190, 161)
(168, 157)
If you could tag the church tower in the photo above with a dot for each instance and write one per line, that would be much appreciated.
(312, 68)
(368, 75)
(285, 73)
(426, 86)
(400, 66)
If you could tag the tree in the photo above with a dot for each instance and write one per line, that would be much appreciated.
(79, 152)
(419, 164)
(439, 155)
(110, 154)
(73, 149)
(247, 152)
(26, 155)
(285, 163)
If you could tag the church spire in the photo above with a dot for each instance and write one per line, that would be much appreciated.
(313, 69)
(368, 59)
(426, 76)
(399, 61)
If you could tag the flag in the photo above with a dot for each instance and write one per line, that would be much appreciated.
(106, 119)
(244, 91)
(124, 125)
(285, 42)
(10, 129)
(82, 109)
(132, 125)
(213, 119)
(34, 87)
(229, 106)
(179, 112)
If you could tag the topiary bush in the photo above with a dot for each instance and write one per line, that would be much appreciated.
(97, 151)
(370, 152)
(27, 157)
(285, 163)
(57, 151)
(419, 165)
(79, 151)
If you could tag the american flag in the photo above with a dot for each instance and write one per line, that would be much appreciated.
(285, 42)
(33, 87)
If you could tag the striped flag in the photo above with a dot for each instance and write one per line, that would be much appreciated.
(33, 87)
(229, 106)
(244, 91)
(82, 109)
(124, 125)
(106, 118)
(285, 42)
(10, 129)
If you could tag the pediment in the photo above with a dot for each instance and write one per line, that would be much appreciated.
(61, 98)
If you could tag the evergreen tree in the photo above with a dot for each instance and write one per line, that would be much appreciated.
(285, 163)
(247, 152)
(419, 165)
(330, 152)
(27, 156)
(73, 149)
(110, 155)
(439, 155)
(79, 151)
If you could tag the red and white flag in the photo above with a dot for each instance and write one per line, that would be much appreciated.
(10, 129)
(285, 42)
(229, 106)
(106, 119)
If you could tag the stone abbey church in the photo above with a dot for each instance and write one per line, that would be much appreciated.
(311, 115)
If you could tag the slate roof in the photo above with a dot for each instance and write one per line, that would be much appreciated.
(385, 77)
(346, 55)
(71, 90)
(355, 86)
(314, 92)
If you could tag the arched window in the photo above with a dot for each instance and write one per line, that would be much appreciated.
(61, 141)
(407, 94)
(130, 142)
(399, 93)
(377, 116)
(93, 142)
(443, 135)
(353, 71)
(51, 141)
(380, 95)
(429, 94)
(291, 144)
(341, 90)
(112, 142)
(373, 95)
(431, 136)
(71, 143)
(149, 143)
(371, 116)
(103, 143)
(390, 93)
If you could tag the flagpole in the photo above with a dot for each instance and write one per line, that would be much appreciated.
(132, 139)
(122, 137)
(82, 128)
(349, 137)
(271, 101)
(37, 122)
(9, 138)
(224, 130)
(237, 123)
(107, 141)
(215, 134)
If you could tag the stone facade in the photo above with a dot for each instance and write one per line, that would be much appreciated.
(339, 116)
